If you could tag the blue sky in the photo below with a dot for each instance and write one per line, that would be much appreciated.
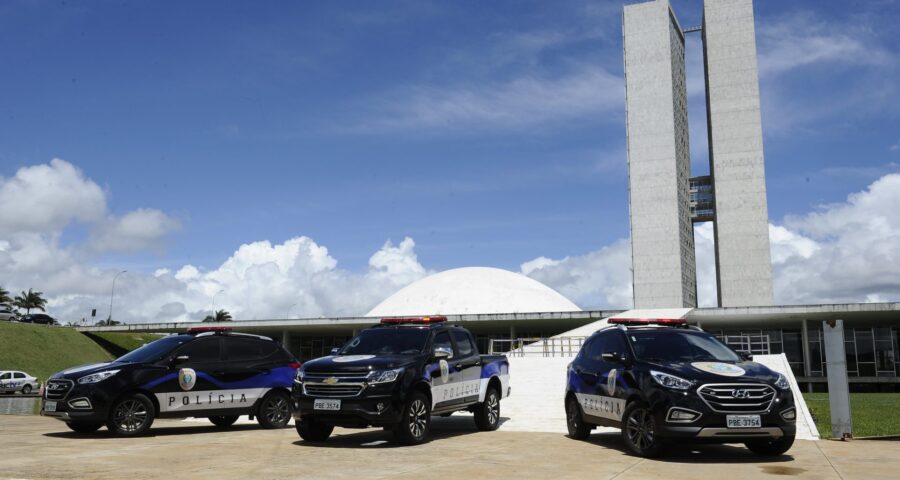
(490, 132)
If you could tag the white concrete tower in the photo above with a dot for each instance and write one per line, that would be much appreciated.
(662, 235)
(743, 259)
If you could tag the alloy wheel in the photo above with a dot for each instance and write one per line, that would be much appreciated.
(417, 418)
(277, 409)
(640, 429)
(130, 415)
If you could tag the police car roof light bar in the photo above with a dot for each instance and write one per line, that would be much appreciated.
(668, 322)
(208, 329)
(413, 320)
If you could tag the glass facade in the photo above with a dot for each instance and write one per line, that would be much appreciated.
(871, 351)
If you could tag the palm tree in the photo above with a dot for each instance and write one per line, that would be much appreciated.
(221, 316)
(30, 300)
(4, 296)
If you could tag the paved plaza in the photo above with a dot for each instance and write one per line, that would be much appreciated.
(36, 447)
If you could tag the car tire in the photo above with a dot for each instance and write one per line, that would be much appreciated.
(84, 427)
(274, 410)
(771, 448)
(131, 415)
(639, 430)
(312, 431)
(415, 420)
(223, 421)
(578, 429)
(487, 413)
(26, 390)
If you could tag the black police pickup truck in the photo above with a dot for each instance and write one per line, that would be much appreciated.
(661, 381)
(208, 372)
(396, 375)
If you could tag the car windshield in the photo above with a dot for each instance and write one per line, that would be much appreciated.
(155, 350)
(679, 346)
(387, 341)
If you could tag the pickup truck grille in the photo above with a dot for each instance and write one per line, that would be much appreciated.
(332, 391)
(58, 389)
(737, 398)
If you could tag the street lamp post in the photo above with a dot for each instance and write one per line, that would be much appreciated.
(213, 315)
(112, 294)
(288, 316)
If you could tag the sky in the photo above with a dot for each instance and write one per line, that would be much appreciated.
(311, 158)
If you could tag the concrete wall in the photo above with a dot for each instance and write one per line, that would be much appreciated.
(743, 262)
(662, 237)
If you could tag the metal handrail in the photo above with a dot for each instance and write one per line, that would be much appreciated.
(543, 346)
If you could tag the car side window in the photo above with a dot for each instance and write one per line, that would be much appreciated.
(18, 375)
(202, 351)
(442, 340)
(594, 348)
(463, 343)
(247, 349)
(614, 343)
(6, 376)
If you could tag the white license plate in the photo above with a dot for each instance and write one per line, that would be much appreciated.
(326, 404)
(743, 421)
(49, 406)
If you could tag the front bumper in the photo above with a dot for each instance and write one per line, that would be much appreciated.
(711, 426)
(80, 404)
(356, 412)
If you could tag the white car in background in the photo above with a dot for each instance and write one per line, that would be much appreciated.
(8, 313)
(12, 381)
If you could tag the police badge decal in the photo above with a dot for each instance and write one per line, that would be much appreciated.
(187, 378)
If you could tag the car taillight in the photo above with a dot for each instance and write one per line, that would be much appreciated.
(294, 365)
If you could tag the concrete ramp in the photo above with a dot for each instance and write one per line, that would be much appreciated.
(806, 427)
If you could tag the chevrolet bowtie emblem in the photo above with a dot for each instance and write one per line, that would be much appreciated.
(330, 381)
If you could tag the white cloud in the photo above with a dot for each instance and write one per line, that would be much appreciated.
(798, 41)
(895, 146)
(142, 229)
(48, 197)
(525, 101)
(600, 279)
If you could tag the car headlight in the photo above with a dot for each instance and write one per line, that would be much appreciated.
(97, 377)
(782, 382)
(385, 376)
(670, 381)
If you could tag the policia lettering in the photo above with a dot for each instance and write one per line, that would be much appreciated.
(600, 406)
(209, 400)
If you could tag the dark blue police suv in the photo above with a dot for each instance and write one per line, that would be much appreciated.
(208, 372)
(661, 381)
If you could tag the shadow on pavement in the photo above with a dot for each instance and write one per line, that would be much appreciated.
(696, 453)
(441, 428)
(158, 432)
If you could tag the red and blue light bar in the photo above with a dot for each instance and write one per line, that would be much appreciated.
(209, 329)
(634, 322)
(413, 320)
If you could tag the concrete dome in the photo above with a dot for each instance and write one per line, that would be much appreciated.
(473, 290)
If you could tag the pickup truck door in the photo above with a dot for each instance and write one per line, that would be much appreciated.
(468, 362)
(447, 379)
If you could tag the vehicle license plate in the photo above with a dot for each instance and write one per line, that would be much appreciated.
(743, 421)
(50, 406)
(326, 404)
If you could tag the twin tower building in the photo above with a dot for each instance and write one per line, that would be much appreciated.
(665, 200)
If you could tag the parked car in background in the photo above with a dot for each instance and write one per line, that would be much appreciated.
(12, 381)
(8, 313)
(39, 318)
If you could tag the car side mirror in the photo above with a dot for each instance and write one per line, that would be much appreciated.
(613, 357)
(746, 356)
(335, 350)
(443, 353)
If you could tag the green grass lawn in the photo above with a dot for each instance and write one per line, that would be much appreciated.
(42, 351)
(873, 414)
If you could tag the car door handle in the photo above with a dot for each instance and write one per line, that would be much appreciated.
(458, 366)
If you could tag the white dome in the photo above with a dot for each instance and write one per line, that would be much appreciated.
(473, 290)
